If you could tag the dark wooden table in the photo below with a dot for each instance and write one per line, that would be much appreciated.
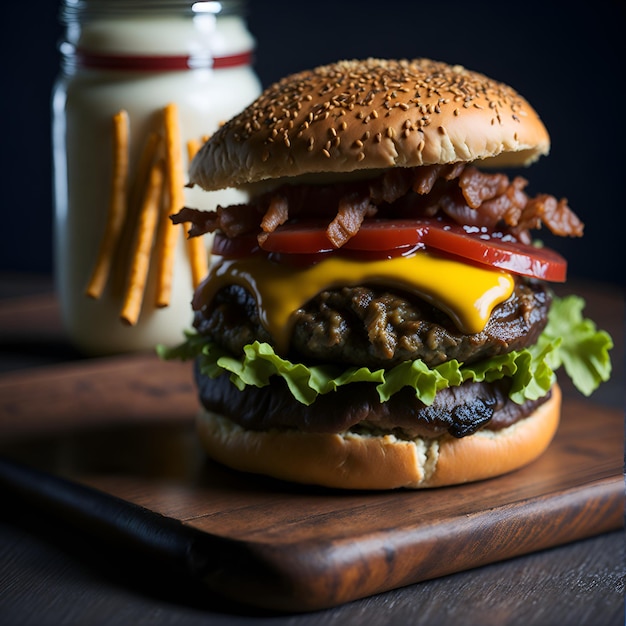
(51, 573)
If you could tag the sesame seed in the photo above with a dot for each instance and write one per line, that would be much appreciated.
(314, 103)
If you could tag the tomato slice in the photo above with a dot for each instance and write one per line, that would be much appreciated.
(497, 250)
(304, 259)
(309, 237)
(306, 242)
(305, 237)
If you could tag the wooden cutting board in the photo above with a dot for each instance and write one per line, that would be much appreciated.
(124, 426)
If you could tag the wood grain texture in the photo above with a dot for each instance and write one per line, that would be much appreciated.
(124, 425)
(290, 548)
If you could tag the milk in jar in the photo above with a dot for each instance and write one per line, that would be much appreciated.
(137, 61)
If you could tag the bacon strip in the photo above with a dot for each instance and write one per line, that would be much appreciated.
(276, 214)
(350, 215)
(426, 177)
(201, 221)
(556, 215)
(393, 184)
(478, 186)
(459, 191)
(233, 220)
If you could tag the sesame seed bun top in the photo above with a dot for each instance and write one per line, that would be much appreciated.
(373, 114)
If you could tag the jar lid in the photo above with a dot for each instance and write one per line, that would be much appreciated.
(72, 10)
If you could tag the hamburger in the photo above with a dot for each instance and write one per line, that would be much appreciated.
(379, 313)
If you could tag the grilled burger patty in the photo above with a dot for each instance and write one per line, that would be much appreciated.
(374, 327)
(459, 411)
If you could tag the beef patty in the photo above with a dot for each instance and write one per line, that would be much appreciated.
(374, 327)
(459, 411)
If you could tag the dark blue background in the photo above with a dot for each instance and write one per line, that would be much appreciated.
(568, 62)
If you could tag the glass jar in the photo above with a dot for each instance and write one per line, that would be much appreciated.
(139, 58)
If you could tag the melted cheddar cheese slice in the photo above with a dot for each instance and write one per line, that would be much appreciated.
(467, 293)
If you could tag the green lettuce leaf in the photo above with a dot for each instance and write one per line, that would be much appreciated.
(568, 340)
(583, 350)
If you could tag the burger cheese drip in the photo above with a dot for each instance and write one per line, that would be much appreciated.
(466, 293)
(452, 198)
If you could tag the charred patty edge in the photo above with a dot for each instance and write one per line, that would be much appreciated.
(378, 328)
(458, 411)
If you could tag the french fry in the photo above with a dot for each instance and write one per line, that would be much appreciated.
(196, 248)
(117, 207)
(149, 153)
(151, 150)
(197, 259)
(174, 182)
(144, 237)
(193, 145)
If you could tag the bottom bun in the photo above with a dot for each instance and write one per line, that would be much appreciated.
(357, 461)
